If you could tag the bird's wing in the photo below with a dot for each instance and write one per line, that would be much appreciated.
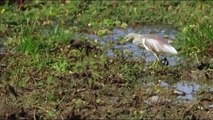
(152, 45)
(158, 45)
(157, 38)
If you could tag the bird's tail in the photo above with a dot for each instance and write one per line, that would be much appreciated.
(171, 50)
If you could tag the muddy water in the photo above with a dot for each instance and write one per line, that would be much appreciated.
(184, 90)
(136, 52)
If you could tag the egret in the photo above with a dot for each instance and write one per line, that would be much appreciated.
(152, 43)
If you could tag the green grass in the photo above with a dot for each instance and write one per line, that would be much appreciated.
(68, 18)
(198, 36)
(60, 65)
(47, 72)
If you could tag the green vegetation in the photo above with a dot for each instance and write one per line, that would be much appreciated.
(56, 79)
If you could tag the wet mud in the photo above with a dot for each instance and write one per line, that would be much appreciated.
(181, 90)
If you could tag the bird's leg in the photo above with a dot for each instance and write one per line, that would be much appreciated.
(153, 65)
(164, 61)
(156, 61)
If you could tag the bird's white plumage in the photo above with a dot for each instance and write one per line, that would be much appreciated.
(144, 44)
(159, 47)
(152, 43)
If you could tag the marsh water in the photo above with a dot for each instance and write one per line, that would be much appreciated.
(136, 52)
(185, 91)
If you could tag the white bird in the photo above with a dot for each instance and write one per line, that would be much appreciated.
(152, 43)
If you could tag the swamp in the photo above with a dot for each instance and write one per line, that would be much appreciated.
(65, 60)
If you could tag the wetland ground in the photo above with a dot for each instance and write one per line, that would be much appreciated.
(65, 61)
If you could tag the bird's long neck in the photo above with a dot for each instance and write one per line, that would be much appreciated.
(139, 41)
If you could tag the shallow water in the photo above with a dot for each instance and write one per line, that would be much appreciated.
(186, 90)
(137, 53)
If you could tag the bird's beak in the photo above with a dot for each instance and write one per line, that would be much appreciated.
(127, 40)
